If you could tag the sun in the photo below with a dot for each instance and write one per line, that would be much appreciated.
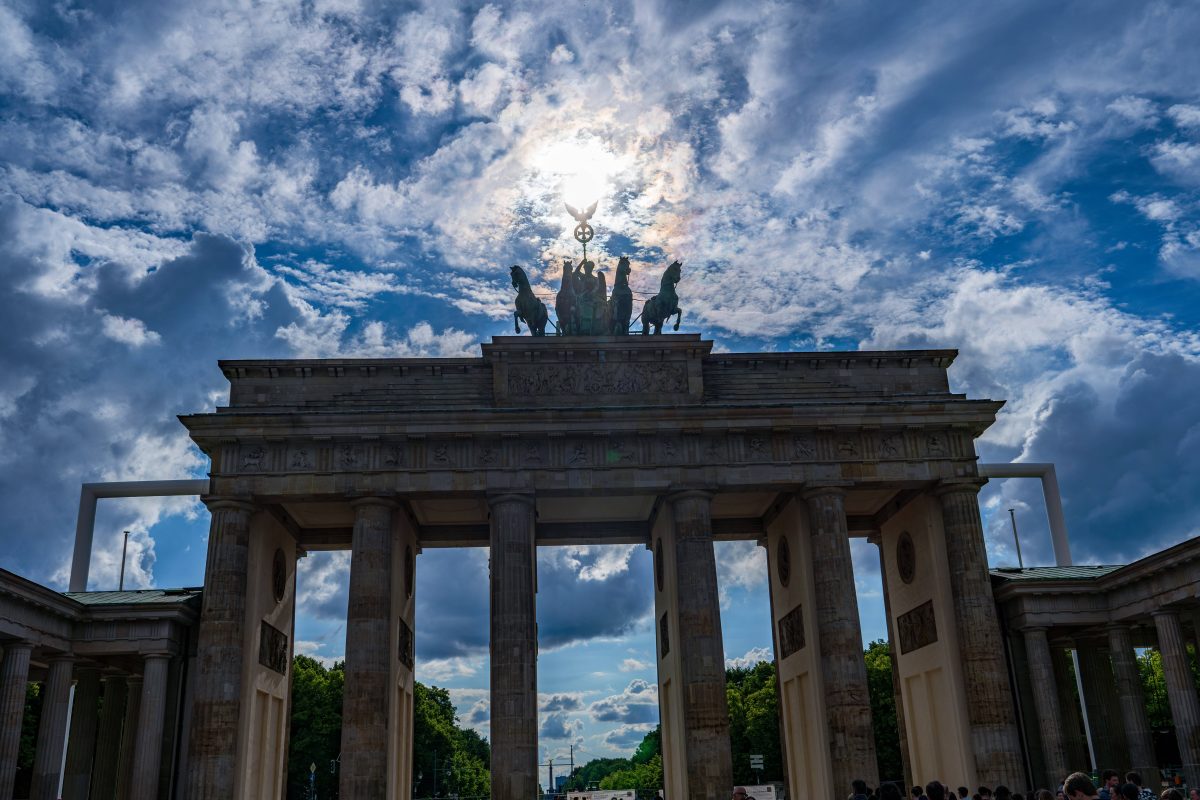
(581, 169)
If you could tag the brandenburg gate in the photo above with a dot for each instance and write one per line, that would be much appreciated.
(652, 440)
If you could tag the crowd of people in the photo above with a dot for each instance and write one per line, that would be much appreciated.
(1077, 786)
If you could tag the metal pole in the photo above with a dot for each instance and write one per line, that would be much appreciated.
(124, 550)
(1054, 510)
(1016, 539)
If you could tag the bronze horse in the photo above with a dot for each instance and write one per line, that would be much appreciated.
(658, 309)
(621, 305)
(529, 308)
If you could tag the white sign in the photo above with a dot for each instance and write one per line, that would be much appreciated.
(761, 792)
(756, 762)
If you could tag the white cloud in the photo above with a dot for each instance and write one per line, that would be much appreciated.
(132, 332)
(750, 658)
(633, 665)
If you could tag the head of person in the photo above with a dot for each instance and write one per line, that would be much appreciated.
(1079, 786)
(918, 791)
(1193, 793)
(859, 786)
(739, 793)
(1044, 794)
(1110, 778)
(1018, 796)
(935, 791)
(1134, 778)
(1002, 792)
(889, 791)
(963, 792)
(1129, 791)
(1171, 794)
(985, 792)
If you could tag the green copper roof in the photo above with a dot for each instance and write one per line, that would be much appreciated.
(1077, 573)
(134, 596)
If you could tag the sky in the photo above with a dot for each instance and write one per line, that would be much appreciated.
(183, 182)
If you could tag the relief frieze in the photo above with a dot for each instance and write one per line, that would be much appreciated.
(596, 379)
(917, 628)
(557, 451)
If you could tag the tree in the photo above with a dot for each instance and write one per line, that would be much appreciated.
(595, 771)
(316, 736)
(754, 721)
(878, 657)
(646, 776)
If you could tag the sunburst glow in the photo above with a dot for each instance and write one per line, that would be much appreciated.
(581, 169)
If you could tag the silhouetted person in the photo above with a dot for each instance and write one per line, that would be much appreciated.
(1079, 787)
(860, 789)
(935, 791)
(963, 792)
(1171, 794)
(1044, 794)
(1002, 793)
(1136, 779)
(889, 791)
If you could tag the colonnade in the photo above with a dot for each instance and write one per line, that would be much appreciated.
(113, 734)
(1117, 725)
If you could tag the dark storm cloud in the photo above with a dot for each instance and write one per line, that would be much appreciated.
(627, 737)
(572, 609)
(1126, 461)
(90, 388)
(452, 603)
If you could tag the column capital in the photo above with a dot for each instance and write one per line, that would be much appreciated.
(16, 644)
(1165, 612)
(687, 491)
(1035, 629)
(823, 488)
(226, 503)
(59, 658)
(958, 485)
(499, 496)
(374, 500)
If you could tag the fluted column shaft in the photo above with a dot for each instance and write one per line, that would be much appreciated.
(147, 744)
(1074, 736)
(52, 731)
(133, 705)
(368, 647)
(513, 586)
(901, 728)
(1100, 697)
(108, 739)
(81, 745)
(1181, 690)
(990, 710)
(847, 696)
(1133, 704)
(217, 692)
(1045, 701)
(701, 649)
(14, 677)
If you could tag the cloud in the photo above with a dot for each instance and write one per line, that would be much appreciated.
(633, 665)
(559, 726)
(750, 658)
(560, 702)
(637, 704)
(626, 737)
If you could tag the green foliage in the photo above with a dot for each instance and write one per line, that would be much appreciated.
(650, 747)
(647, 776)
(461, 756)
(595, 771)
(448, 760)
(316, 736)
(878, 657)
(1154, 684)
(754, 721)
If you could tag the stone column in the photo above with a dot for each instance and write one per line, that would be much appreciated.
(368, 648)
(14, 675)
(1181, 690)
(847, 697)
(990, 710)
(108, 739)
(1103, 712)
(1133, 704)
(708, 758)
(52, 731)
(133, 704)
(513, 574)
(217, 691)
(81, 744)
(897, 696)
(147, 745)
(1068, 703)
(1045, 701)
